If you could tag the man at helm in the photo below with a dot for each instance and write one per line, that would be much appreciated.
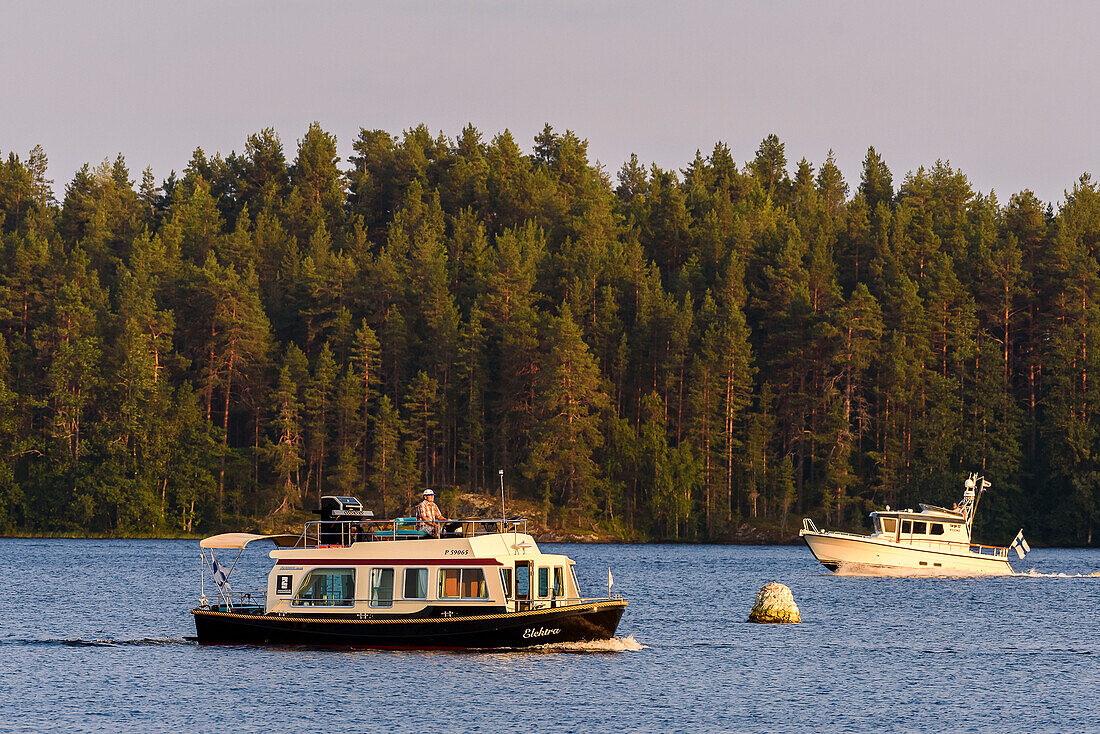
(428, 516)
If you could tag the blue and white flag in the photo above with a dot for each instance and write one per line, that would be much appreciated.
(1020, 545)
(219, 574)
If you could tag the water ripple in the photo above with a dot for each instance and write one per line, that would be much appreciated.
(80, 642)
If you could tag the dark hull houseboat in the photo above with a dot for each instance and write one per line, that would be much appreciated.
(351, 580)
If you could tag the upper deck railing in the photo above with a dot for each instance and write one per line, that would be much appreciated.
(346, 532)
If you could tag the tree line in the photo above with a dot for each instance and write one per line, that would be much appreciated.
(664, 354)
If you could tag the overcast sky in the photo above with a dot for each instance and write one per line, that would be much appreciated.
(1005, 91)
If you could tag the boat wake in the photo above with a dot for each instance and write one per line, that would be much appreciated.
(864, 570)
(615, 644)
(867, 570)
(1032, 573)
(80, 642)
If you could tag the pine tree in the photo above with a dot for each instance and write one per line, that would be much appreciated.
(393, 475)
(319, 408)
(422, 405)
(232, 339)
(568, 401)
(285, 451)
(365, 361)
(770, 167)
(877, 183)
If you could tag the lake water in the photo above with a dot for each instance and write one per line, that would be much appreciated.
(92, 638)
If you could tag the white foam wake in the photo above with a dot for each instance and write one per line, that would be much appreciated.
(615, 644)
(860, 569)
(1032, 573)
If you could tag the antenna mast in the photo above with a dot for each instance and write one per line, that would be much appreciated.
(503, 516)
(975, 486)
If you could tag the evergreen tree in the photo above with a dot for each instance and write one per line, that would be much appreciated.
(319, 407)
(569, 399)
(285, 451)
(877, 183)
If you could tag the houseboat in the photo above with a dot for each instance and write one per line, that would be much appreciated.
(351, 580)
(934, 540)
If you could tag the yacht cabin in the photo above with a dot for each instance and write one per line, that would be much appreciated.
(931, 523)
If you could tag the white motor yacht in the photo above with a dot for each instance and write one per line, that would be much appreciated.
(934, 540)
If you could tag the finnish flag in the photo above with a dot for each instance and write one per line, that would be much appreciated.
(219, 574)
(1020, 545)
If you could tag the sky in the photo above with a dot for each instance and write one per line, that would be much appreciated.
(1005, 91)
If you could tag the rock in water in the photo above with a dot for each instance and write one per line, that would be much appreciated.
(774, 603)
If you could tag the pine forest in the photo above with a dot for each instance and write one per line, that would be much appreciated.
(657, 354)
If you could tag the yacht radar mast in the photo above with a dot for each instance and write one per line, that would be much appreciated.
(975, 487)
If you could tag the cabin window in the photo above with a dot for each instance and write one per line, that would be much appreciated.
(462, 583)
(381, 587)
(890, 524)
(920, 528)
(906, 527)
(544, 582)
(506, 581)
(576, 586)
(559, 581)
(523, 581)
(935, 528)
(416, 583)
(878, 524)
(328, 587)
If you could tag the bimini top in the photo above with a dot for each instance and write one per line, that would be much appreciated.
(237, 541)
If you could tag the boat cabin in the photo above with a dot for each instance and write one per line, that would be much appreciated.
(349, 563)
(477, 575)
(930, 523)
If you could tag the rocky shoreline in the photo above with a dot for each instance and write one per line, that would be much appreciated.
(477, 505)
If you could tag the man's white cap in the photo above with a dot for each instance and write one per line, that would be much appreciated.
(428, 491)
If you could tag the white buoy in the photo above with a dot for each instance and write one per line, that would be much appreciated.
(774, 604)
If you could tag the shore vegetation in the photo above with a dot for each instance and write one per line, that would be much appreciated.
(649, 353)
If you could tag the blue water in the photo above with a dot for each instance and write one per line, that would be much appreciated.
(92, 638)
